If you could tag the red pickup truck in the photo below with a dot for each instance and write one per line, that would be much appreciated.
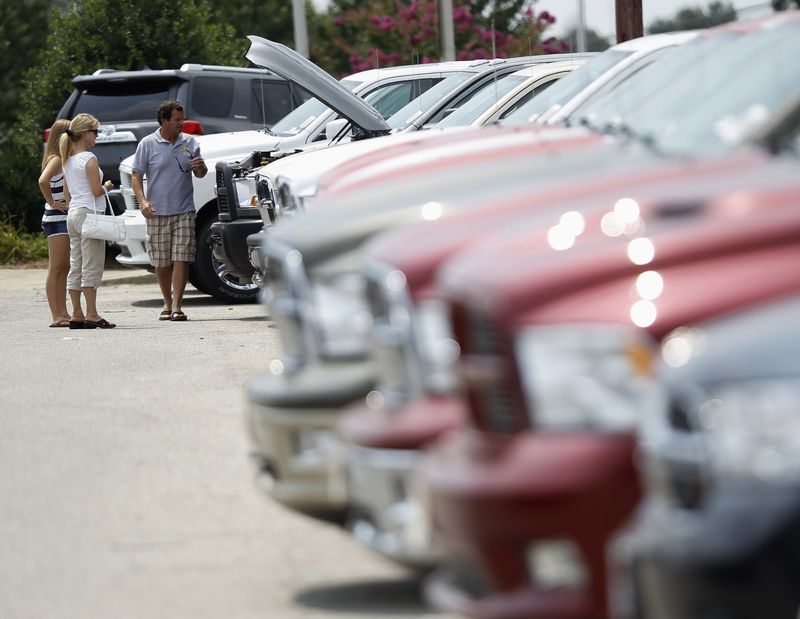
(412, 347)
(559, 350)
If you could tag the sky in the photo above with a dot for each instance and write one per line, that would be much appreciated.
(599, 14)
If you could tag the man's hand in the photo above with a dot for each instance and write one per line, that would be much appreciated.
(148, 210)
(199, 167)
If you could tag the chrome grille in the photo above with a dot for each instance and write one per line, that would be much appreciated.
(285, 298)
(686, 481)
(391, 341)
(222, 196)
(484, 338)
(490, 380)
(266, 197)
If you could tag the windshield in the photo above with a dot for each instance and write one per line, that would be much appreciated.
(415, 108)
(481, 101)
(566, 88)
(303, 116)
(707, 95)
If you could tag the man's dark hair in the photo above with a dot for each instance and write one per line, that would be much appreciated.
(164, 111)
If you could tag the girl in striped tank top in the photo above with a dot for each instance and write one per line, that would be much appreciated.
(54, 223)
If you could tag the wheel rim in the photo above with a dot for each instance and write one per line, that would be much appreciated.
(228, 280)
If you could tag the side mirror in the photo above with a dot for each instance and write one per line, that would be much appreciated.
(334, 128)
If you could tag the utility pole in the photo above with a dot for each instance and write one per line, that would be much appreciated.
(581, 29)
(629, 19)
(300, 27)
(446, 30)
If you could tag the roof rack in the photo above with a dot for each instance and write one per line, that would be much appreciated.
(189, 66)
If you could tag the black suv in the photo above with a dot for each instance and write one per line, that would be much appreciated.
(216, 99)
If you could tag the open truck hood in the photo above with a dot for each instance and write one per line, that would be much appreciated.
(292, 66)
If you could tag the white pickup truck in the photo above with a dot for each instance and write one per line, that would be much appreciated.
(364, 99)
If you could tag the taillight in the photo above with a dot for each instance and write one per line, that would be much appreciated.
(47, 134)
(193, 127)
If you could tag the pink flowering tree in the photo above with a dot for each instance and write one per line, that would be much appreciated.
(381, 33)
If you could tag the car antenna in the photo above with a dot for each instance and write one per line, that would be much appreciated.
(419, 98)
(494, 57)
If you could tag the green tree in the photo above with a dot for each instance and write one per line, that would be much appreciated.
(695, 18)
(23, 31)
(783, 5)
(84, 36)
(271, 20)
(274, 21)
(391, 32)
(594, 41)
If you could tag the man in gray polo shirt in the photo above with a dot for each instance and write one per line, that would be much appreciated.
(169, 158)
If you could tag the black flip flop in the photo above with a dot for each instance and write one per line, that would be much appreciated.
(99, 324)
(76, 324)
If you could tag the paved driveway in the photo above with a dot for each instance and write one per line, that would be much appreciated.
(126, 491)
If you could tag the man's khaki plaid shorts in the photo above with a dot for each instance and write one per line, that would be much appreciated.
(170, 238)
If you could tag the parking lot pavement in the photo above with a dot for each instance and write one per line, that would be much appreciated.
(126, 488)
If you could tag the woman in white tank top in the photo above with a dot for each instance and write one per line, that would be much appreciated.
(84, 182)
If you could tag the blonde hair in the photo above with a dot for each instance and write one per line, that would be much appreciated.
(79, 125)
(52, 145)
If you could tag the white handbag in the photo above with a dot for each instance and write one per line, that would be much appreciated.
(104, 227)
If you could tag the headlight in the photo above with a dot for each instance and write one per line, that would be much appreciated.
(588, 376)
(752, 428)
(340, 315)
(246, 194)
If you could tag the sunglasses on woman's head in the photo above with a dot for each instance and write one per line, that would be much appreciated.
(95, 131)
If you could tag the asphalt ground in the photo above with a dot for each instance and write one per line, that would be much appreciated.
(126, 489)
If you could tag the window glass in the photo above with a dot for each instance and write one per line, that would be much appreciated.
(389, 98)
(483, 98)
(269, 101)
(122, 103)
(212, 96)
(408, 113)
(568, 87)
(304, 115)
(523, 100)
(707, 95)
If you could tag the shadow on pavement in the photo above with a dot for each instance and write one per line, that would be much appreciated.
(372, 597)
(191, 298)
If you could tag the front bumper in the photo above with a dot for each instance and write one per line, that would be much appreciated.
(492, 499)
(229, 245)
(411, 427)
(737, 555)
(386, 513)
(383, 450)
(292, 423)
(134, 248)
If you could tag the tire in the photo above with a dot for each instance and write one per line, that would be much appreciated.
(211, 277)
